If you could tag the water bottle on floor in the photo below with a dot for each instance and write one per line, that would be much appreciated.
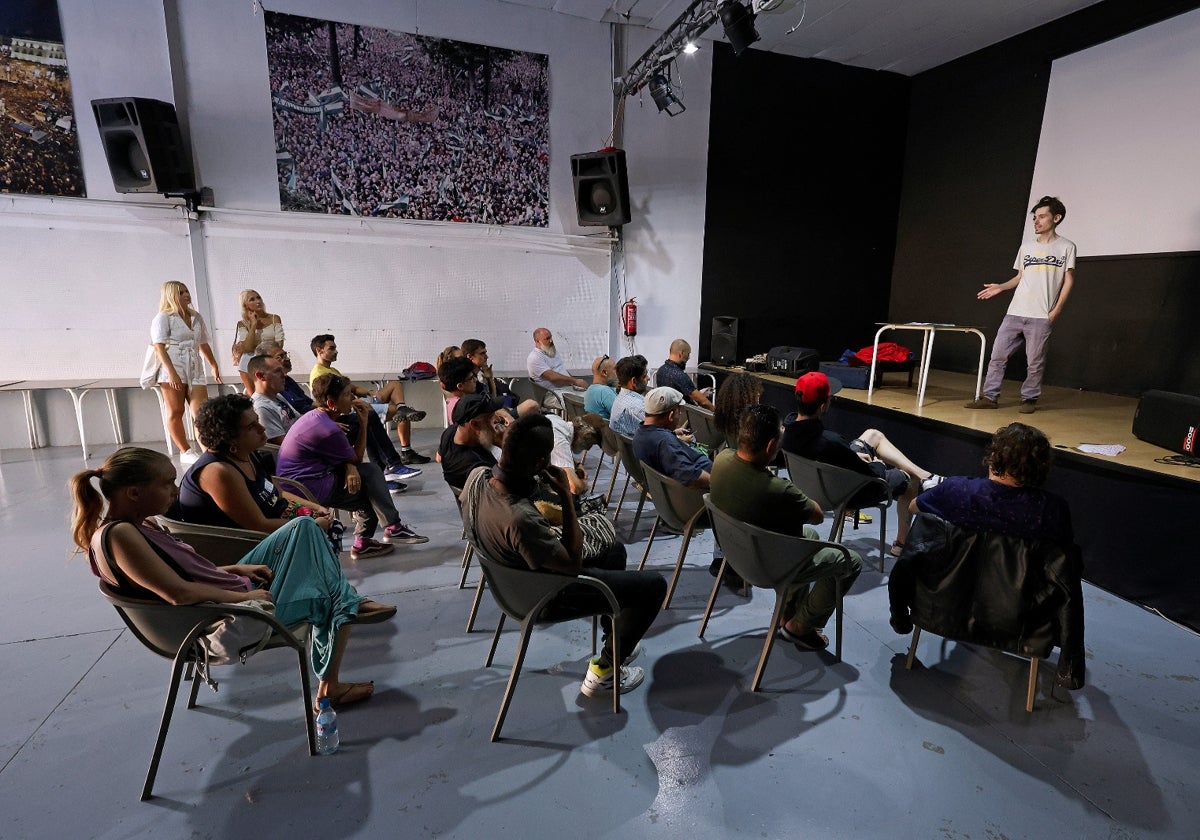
(327, 728)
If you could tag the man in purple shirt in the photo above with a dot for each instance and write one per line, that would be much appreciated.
(316, 452)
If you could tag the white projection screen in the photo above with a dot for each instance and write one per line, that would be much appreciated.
(1120, 140)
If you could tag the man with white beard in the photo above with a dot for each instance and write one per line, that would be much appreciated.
(548, 370)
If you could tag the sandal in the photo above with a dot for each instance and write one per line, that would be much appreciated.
(372, 612)
(350, 693)
(811, 639)
(897, 549)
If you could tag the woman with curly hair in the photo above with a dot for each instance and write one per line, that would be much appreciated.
(294, 567)
(230, 483)
(736, 392)
(1011, 499)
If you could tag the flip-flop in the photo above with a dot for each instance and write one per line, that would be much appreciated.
(373, 612)
(352, 693)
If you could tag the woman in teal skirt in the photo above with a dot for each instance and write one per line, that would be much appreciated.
(294, 567)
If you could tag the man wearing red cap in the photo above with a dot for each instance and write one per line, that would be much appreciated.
(871, 453)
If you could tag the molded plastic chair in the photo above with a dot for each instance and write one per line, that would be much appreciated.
(610, 447)
(700, 421)
(573, 410)
(833, 487)
(678, 507)
(173, 632)
(634, 473)
(522, 387)
(772, 561)
(223, 546)
(523, 595)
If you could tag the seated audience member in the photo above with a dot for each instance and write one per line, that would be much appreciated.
(457, 378)
(291, 392)
(673, 375)
(1009, 501)
(571, 438)
(294, 567)
(600, 395)
(500, 516)
(274, 412)
(388, 400)
(871, 453)
(548, 370)
(277, 417)
(657, 444)
(744, 488)
(478, 429)
(316, 453)
(738, 391)
(475, 350)
(451, 352)
(629, 407)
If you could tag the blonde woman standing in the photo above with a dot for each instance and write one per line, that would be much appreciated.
(256, 326)
(179, 338)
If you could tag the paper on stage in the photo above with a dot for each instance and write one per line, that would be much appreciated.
(1110, 449)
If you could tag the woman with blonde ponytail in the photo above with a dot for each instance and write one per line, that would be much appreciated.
(294, 567)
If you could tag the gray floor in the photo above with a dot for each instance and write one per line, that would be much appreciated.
(857, 749)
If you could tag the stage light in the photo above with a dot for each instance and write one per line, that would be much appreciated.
(739, 25)
(690, 48)
(664, 97)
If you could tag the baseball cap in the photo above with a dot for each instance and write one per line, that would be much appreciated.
(475, 405)
(661, 400)
(815, 387)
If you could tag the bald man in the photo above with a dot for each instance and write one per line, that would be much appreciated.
(673, 375)
(546, 367)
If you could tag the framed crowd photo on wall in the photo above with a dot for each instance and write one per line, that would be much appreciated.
(39, 146)
(374, 122)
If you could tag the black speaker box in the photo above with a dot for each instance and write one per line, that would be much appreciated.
(601, 188)
(143, 145)
(724, 345)
(789, 360)
(1168, 420)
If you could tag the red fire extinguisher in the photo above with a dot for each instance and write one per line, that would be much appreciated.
(629, 316)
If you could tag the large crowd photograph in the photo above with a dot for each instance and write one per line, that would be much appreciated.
(39, 149)
(373, 122)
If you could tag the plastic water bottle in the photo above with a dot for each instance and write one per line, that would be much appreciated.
(327, 729)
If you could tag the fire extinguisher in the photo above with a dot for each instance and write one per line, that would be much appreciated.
(629, 316)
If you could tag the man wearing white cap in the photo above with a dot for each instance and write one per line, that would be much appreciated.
(657, 445)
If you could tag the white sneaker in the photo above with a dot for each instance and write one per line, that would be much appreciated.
(601, 680)
(186, 459)
(931, 482)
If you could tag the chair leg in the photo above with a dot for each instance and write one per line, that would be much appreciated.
(191, 704)
(638, 516)
(595, 632)
(912, 649)
(837, 648)
(770, 641)
(687, 538)
(495, 641)
(1033, 672)
(612, 479)
(306, 698)
(466, 566)
(883, 546)
(596, 475)
(621, 501)
(165, 723)
(649, 542)
(712, 599)
(839, 525)
(526, 630)
(475, 604)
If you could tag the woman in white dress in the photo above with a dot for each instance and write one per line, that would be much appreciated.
(180, 338)
(256, 327)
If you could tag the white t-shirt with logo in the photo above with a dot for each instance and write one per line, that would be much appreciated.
(1043, 267)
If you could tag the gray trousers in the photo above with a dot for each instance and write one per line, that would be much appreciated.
(1035, 332)
(372, 496)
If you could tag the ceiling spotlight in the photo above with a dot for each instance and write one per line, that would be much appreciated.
(690, 47)
(664, 97)
(739, 25)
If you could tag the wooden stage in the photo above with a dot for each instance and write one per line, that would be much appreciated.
(1068, 417)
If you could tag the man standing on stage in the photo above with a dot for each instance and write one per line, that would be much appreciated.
(1045, 274)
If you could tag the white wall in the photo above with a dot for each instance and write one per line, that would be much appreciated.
(96, 263)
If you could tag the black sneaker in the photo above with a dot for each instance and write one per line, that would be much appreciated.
(403, 412)
(412, 456)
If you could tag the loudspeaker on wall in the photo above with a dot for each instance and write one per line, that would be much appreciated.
(601, 188)
(724, 344)
(143, 145)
